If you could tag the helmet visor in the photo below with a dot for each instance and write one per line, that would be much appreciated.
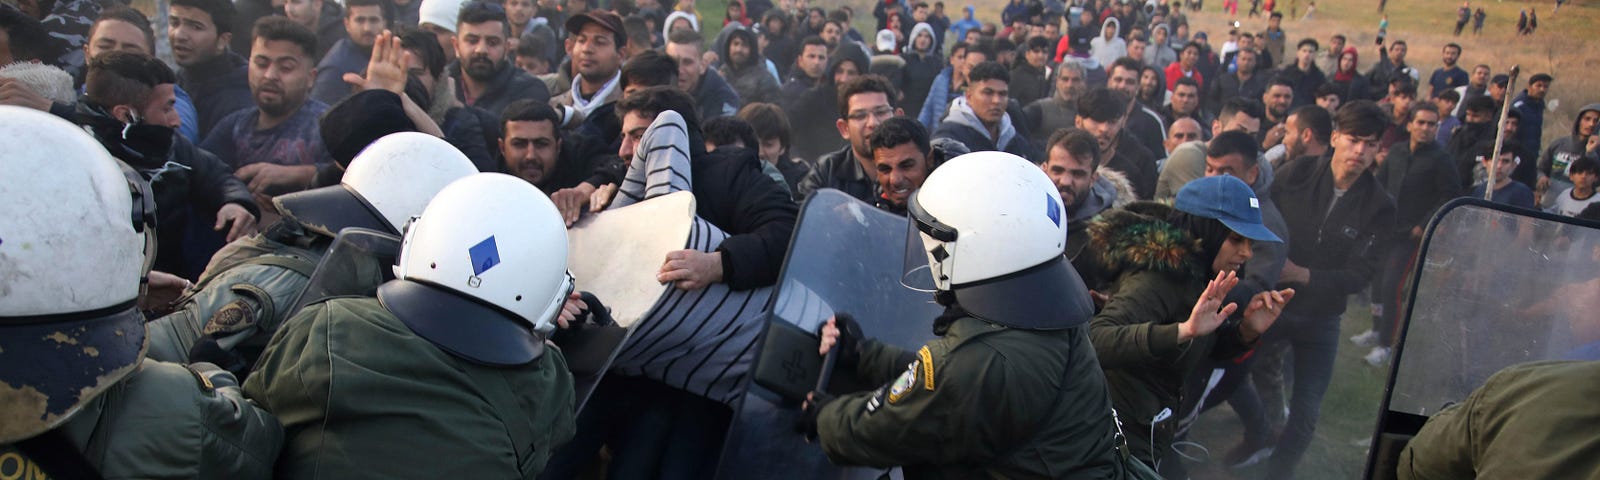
(922, 230)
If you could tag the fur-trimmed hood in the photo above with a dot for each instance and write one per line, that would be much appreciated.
(1137, 237)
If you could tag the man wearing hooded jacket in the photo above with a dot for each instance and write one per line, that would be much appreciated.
(1562, 152)
(744, 67)
(979, 118)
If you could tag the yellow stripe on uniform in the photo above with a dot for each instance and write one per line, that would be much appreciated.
(927, 367)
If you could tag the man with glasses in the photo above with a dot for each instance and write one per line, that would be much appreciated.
(979, 119)
(865, 102)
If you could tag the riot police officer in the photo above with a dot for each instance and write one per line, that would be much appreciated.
(1011, 388)
(77, 397)
(250, 285)
(446, 374)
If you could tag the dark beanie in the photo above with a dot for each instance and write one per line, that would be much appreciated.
(360, 119)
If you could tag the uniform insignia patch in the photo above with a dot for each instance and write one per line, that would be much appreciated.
(485, 255)
(903, 385)
(236, 316)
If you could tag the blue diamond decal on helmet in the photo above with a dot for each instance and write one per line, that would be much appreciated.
(485, 255)
(1052, 209)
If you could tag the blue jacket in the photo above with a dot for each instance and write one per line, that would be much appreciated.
(1529, 130)
(219, 87)
(938, 102)
(344, 57)
(714, 97)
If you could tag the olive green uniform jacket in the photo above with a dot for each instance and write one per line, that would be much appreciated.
(1159, 276)
(166, 421)
(1528, 421)
(361, 396)
(246, 291)
(981, 401)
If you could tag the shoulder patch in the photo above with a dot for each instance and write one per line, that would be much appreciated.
(236, 316)
(903, 385)
(926, 356)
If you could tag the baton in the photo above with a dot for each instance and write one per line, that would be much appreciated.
(1500, 134)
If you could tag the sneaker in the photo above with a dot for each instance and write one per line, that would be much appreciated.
(1366, 339)
(1247, 453)
(1378, 356)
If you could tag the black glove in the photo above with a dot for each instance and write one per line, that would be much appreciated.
(206, 350)
(850, 341)
(806, 424)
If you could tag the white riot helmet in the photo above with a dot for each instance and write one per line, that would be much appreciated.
(992, 229)
(386, 184)
(483, 271)
(73, 248)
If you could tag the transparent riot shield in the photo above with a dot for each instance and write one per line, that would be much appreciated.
(1494, 286)
(359, 260)
(614, 256)
(845, 256)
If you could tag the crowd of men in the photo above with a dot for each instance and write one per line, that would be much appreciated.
(271, 103)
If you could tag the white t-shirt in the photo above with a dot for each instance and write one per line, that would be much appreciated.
(1569, 206)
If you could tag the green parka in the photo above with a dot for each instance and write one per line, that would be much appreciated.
(362, 396)
(981, 401)
(1157, 276)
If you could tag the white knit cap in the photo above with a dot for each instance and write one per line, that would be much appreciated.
(440, 13)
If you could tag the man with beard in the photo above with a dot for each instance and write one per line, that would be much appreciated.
(1477, 86)
(1101, 112)
(979, 119)
(216, 78)
(276, 147)
(1186, 104)
(902, 159)
(1450, 76)
(1307, 133)
(745, 68)
(1246, 82)
(363, 21)
(864, 104)
(1072, 162)
(818, 108)
(1187, 162)
(484, 76)
(127, 105)
(1049, 115)
(713, 96)
(567, 166)
(1277, 99)
(598, 38)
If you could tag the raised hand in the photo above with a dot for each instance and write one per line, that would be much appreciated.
(1263, 311)
(1206, 316)
(386, 70)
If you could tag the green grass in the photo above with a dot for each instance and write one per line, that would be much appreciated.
(1349, 416)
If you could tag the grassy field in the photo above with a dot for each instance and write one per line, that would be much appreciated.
(1562, 46)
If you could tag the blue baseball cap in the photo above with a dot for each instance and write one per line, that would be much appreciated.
(1228, 200)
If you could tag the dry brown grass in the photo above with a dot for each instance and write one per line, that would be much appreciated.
(1563, 46)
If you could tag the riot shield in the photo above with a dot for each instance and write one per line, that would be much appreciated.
(845, 256)
(614, 255)
(359, 260)
(1494, 286)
